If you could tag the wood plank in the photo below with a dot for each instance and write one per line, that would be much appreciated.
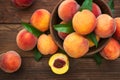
(8, 33)
(9, 14)
(80, 69)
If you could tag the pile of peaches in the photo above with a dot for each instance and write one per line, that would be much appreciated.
(75, 44)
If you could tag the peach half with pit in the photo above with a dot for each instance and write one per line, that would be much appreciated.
(59, 63)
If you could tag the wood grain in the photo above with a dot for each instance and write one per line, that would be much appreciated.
(80, 69)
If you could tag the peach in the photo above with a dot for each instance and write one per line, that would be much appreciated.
(22, 3)
(75, 45)
(67, 9)
(96, 9)
(10, 61)
(26, 40)
(62, 35)
(117, 32)
(112, 50)
(40, 19)
(84, 22)
(46, 45)
(105, 26)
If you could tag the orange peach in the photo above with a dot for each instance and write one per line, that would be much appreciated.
(112, 50)
(46, 45)
(75, 45)
(10, 61)
(26, 40)
(96, 9)
(117, 32)
(40, 19)
(84, 22)
(67, 9)
(105, 26)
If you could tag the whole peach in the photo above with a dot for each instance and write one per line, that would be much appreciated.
(46, 44)
(96, 9)
(112, 50)
(67, 9)
(22, 3)
(117, 32)
(40, 19)
(75, 45)
(10, 61)
(84, 22)
(26, 40)
(105, 26)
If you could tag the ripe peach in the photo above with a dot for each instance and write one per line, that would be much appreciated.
(84, 22)
(22, 3)
(117, 32)
(10, 61)
(46, 45)
(112, 50)
(26, 40)
(62, 35)
(75, 45)
(105, 26)
(40, 19)
(67, 9)
(96, 9)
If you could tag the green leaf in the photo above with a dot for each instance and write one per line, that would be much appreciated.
(111, 5)
(87, 4)
(92, 37)
(61, 51)
(37, 54)
(98, 58)
(31, 29)
(67, 28)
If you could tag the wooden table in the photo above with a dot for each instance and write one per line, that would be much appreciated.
(80, 69)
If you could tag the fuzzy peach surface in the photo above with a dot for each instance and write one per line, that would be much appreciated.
(105, 26)
(46, 45)
(10, 61)
(26, 40)
(40, 19)
(117, 32)
(75, 45)
(112, 50)
(67, 9)
(84, 22)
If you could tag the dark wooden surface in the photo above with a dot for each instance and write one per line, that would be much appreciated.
(80, 69)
